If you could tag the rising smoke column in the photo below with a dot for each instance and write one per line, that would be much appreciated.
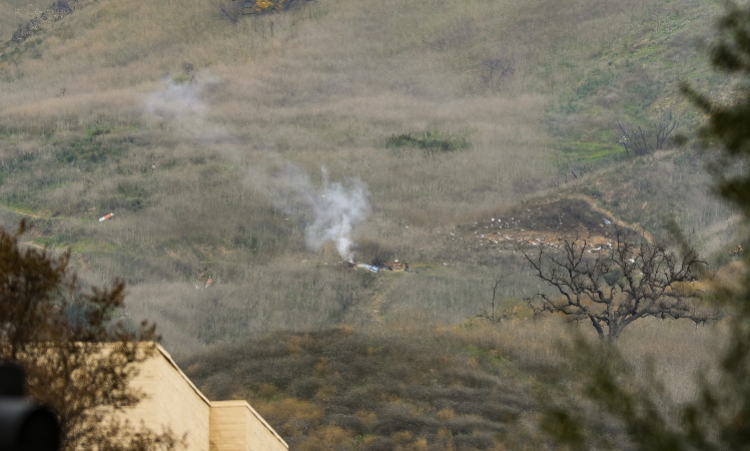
(332, 210)
(337, 209)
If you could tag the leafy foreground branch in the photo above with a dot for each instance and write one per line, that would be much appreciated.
(79, 356)
(718, 418)
(619, 284)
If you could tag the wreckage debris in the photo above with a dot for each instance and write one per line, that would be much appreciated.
(105, 217)
(370, 268)
(204, 281)
(395, 266)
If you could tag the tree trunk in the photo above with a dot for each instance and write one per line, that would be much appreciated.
(614, 332)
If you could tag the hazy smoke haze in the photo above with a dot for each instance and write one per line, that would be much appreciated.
(183, 106)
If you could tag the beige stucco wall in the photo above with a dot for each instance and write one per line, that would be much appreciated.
(173, 401)
(235, 426)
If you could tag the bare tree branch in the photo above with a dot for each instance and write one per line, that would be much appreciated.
(229, 9)
(616, 287)
(640, 143)
(492, 315)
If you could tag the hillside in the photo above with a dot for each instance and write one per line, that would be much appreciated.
(471, 388)
(244, 168)
(206, 137)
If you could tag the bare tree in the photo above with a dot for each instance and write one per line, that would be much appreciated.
(79, 353)
(663, 127)
(495, 70)
(638, 142)
(616, 286)
(492, 315)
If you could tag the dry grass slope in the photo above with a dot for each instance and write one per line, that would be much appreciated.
(474, 388)
(175, 119)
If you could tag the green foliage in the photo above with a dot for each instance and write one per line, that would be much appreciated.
(559, 424)
(632, 80)
(182, 78)
(430, 142)
(66, 334)
(727, 121)
(719, 417)
(402, 66)
(593, 83)
(133, 196)
(588, 152)
(86, 153)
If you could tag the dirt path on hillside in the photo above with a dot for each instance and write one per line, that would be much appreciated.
(375, 304)
(28, 215)
(20, 212)
(369, 310)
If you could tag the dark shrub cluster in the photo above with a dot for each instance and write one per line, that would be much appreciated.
(430, 142)
(392, 391)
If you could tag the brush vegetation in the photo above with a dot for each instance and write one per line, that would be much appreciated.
(476, 387)
(176, 119)
(467, 121)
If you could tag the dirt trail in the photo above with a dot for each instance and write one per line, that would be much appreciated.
(373, 307)
(33, 216)
(369, 310)
(34, 245)
(20, 212)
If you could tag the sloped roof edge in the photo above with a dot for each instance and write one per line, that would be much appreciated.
(237, 403)
(218, 404)
(179, 371)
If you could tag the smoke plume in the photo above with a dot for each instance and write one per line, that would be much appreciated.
(182, 105)
(337, 210)
(331, 210)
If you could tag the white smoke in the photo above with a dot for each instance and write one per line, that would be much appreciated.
(333, 209)
(181, 105)
(337, 210)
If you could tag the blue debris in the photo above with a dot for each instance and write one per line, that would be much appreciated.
(370, 268)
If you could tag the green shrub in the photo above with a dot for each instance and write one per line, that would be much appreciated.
(430, 142)
(85, 152)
